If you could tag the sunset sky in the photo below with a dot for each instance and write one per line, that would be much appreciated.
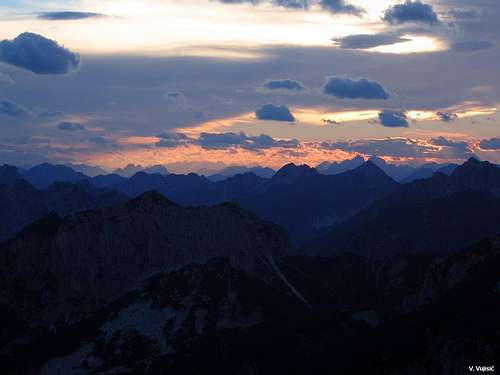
(205, 83)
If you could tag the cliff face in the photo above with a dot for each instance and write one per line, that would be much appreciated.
(66, 269)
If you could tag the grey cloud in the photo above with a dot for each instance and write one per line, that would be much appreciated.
(463, 14)
(329, 121)
(286, 84)
(70, 126)
(344, 87)
(38, 54)
(68, 16)
(365, 41)
(490, 144)
(274, 113)
(439, 148)
(447, 116)
(12, 109)
(217, 141)
(393, 119)
(452, 149)
(5, 78)
(410, 12)
(472, 45)
(341, 6)
(173, 139)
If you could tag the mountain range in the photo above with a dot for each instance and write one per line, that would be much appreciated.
(441, 213)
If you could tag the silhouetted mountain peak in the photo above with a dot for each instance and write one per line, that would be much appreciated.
(291, 173)
(370, 169)
(9, 174)
(150, 199)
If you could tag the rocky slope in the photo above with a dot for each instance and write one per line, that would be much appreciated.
(442, 213)
(75, 265)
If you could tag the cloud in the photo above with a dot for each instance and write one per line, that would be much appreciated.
(294, 4)
(446, 116)
(38, 54)
(452, 149)
(12, 109)
(217, 141)
(70, 126)
(472, 45)
(490, 144)
(332, 6)
(330, 121)
(68, 16)
(285, 85)
(410, 12)
(173, 139)
(5, 78)
(365, 41)
(344, 87)
(274, 113)
(439, 148)
(393, 119)
(340, 6)
(464, 14)
(49, 114)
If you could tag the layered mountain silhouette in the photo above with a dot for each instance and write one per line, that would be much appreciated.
(21, 203)
(106, 280)
(225, 173)
(442, 213)
(86, 260)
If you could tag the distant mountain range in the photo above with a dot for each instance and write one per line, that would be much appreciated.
(21, 203)
(401, 173)
(299, 198)
(441, 213)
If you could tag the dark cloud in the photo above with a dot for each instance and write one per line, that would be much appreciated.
(71, 126)
(49, 114)
(344, 87)
(5, 78)
(218, 141)
(38, 54)
(329, 121)
(393, 119)
(68, 16)
(365, 41)
(464, 14)
(12, 109)
(447, 116)
(452, 149)
(283, 85)
(274, 113)
(439, 148)
(173, 139)
(341, 6)
(490, 144)
(293, 4)
(472, 45)
(332, 6)
(410, 12)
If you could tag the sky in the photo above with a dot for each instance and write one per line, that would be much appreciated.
(208, 83)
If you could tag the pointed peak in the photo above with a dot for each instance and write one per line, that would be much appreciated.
(473, 164)
(149, 199)
(292, 172)
(377, 161)
(369, 165)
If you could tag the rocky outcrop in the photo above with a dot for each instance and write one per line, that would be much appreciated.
(75, 265)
